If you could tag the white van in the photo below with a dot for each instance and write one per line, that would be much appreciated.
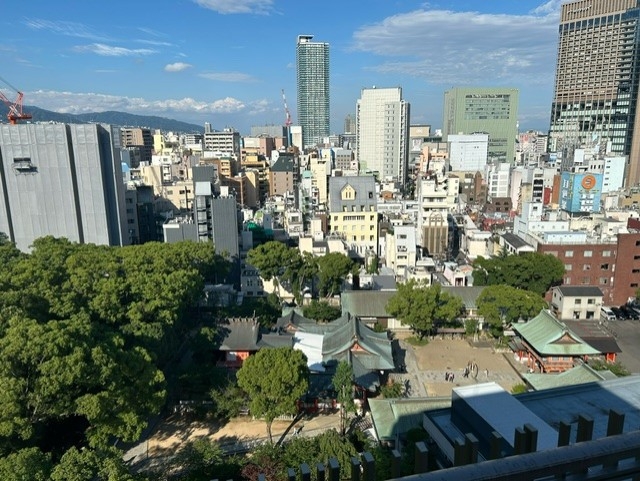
(606, 314)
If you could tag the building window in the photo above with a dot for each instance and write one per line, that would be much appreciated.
(568, 254)
(634, 284)
(578, 301)
(603, 281)
(568, 267)
(606, 253)
(591, 301)
(604, 267)
(586, 267)
(588, 253)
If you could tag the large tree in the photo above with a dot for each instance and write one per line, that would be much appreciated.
(343, 384)
(421, 307)
(502, 304)
(85, 332)
(273, 260)
(333, 268)
(321, 311)
(274, 379)
(530, 271)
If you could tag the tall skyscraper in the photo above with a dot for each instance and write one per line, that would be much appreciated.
(62, 180)
(490, 110)
(312, 71)
(596, 86)
(382, 133)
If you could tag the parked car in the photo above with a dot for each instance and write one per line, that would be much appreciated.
(619, 314)
(629, 313)
(606, 314)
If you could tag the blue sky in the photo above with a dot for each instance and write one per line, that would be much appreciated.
(226, 61)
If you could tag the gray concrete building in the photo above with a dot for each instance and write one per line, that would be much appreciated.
(62, 180)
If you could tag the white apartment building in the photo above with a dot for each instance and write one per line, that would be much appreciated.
(436, 200)
(468, 153)
(400, 251)
(497, 178)
(226, 143)
(382, 133)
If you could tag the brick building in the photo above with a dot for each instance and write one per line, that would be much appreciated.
(613, 266)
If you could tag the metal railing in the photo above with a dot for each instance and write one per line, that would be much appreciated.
(615, 457)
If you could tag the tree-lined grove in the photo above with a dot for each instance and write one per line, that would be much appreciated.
(531, 271)
(287, 267)
(87, 334)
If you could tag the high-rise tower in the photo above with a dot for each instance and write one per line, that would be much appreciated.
(596, 86)
(382, 133)
(312, 71)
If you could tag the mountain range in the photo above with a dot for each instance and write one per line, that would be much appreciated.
(122, 119)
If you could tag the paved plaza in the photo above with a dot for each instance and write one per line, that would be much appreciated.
(427, 366)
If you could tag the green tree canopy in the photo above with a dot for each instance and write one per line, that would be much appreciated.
(421, 307)
(333, 268)
(530, 271)
(499, 302)
(274, 260)
(88, 464)
(321, 311)
(27, 464)
(85, 332)
(274, 379)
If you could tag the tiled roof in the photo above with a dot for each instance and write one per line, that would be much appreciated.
(392, 417)
(550, 337)
(578, 375)
(468, 294)
(238, 335)
(364, 186)
(366, 304)
(580, 291)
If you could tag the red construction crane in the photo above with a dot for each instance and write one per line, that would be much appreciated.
(15, 108)
(287, 122)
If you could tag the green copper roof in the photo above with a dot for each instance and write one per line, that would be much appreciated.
(550, 337)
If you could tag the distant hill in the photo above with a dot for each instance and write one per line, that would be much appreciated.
(121, 119)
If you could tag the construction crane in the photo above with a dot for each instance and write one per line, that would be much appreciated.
(287, 122)
(15, 108)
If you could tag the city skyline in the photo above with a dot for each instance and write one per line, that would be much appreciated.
(227, 62)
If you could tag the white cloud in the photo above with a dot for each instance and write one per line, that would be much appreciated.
(70, 29)
(112, 51)
(77, 103)
(551, 7)
(447, 48)
(177, 67)
(228, 76)
(261, 106)
(155, 43)
(227, 105)
(256, 7)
